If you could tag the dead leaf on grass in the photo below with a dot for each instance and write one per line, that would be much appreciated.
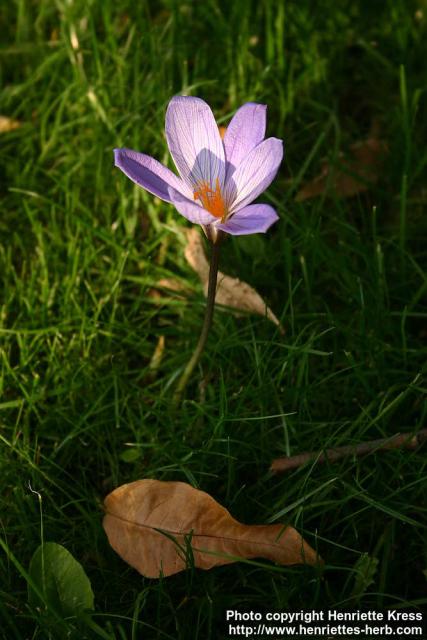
(162, 527)
(171, 284)
(354, 175)
(231, 292)
(195, 254)
(8, 124)
(169, 287)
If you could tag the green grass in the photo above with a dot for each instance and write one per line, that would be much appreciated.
(81, 247)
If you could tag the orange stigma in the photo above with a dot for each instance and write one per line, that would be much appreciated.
(211, 200)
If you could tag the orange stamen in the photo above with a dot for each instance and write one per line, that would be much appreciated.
(211, 200)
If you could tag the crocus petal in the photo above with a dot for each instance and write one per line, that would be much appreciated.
(149, 173)
(245, 131)
(190, 210)
(194, 141)
(255, 173)
(255, 218)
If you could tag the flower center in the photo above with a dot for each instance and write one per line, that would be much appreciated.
(212, 200)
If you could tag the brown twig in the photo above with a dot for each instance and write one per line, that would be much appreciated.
(399, 441)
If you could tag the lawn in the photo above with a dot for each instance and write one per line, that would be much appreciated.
(83, 409)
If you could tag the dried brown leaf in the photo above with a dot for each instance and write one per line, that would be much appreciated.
(169, 287)
(231, 292)
(8, 124)
(357, 173)
(195, 254)
(153, 525)
(172, 285)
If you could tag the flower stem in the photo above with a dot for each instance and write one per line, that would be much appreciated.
(210, 303)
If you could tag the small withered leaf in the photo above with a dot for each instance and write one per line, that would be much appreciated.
(160, 528)
(8, 124)
(195, 254)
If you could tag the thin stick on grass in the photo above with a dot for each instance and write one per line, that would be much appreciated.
(399, 441)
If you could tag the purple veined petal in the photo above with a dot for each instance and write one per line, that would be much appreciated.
(245, 131)
(255, 173)
(194, 142)
(149, 173)
(255, 218)
(190, 210)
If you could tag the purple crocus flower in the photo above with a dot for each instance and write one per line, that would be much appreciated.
(219, 178)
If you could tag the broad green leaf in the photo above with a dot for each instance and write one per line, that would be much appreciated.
(130, 455)
(61, 579)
